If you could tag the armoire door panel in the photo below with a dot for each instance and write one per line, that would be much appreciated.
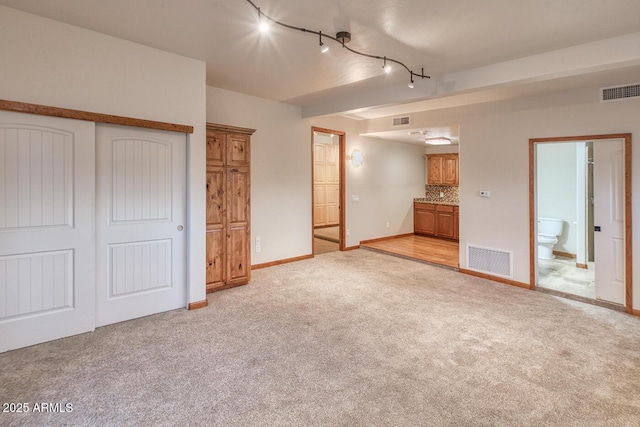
(215, 197)
(238, 270)
(238, 153)
(237, 195)
(215, 148)
(215, 258)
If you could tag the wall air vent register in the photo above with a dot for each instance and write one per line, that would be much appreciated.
(401, 121)
(617, 93)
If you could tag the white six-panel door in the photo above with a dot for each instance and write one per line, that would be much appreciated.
(141, 208)
(47, 246)
(608, 171)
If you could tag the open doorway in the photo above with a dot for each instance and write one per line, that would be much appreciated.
(580, 217)
(328, 190)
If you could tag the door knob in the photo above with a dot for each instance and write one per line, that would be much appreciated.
(180, 228)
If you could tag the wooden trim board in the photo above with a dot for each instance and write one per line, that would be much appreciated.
(280, 262)
(494, 278)
(66, 113)
(382, 239)
(565, 254)
(198, 304)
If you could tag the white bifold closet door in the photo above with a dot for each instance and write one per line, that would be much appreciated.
(47, 246)
(140, 222)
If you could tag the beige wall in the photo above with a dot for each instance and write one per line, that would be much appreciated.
(392, 175)
(280, 171)
(50, 63)
(494, 155)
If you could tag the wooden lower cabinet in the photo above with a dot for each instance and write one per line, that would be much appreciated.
(444, 221)
(431, 219)
(424, 218)
(228, 258)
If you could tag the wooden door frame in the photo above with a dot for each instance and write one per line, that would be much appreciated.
(626, 137)
(342, 143)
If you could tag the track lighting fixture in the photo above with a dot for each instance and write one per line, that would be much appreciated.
(342, 37)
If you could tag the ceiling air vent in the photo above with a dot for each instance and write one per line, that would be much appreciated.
(401, 121)
(616, 93)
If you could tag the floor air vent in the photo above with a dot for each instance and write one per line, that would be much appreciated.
(617, 93)
(489, 261)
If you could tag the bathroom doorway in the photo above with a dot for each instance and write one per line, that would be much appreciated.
(327, 190)
(583, 184)
(565, 202)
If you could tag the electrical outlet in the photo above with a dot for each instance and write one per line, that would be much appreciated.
(387, 226)
(355, 198)
(485, 193)
(258, 248)
(348, 232)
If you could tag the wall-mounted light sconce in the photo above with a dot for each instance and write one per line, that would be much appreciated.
(356, 158)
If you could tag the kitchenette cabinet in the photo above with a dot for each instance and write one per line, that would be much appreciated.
(436, 220)
(442, 169)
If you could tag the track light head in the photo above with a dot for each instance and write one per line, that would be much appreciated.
(323, 47)
(263, 23)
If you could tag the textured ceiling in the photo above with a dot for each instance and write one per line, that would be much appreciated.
(441, 36)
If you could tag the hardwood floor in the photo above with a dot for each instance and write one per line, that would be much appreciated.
(421, 248)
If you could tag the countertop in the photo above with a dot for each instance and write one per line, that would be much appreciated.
(423, 200)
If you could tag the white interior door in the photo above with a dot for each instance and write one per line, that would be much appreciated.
(47, 246)
(140, 220)
(608, 177)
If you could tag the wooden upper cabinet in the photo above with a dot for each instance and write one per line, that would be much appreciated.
(442, 169)
(450, 170)
(434, 170)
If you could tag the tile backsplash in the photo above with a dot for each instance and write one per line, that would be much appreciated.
(451, 193)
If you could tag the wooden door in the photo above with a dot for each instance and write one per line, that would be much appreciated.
(216, 238)
(332, 183)
(140, 221)
(319, 187)
(47, 219)
(238, 252)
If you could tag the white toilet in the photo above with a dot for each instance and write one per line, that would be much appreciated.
(548, 231)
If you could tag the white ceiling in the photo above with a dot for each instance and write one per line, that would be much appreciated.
(444, 37)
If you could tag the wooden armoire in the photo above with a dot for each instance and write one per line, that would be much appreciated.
(228, 206)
